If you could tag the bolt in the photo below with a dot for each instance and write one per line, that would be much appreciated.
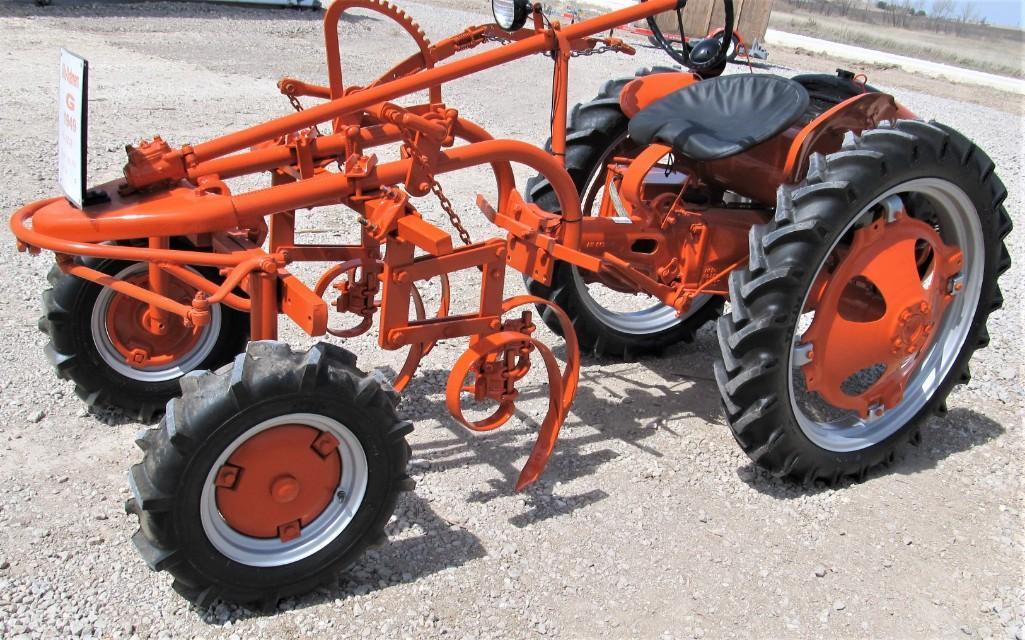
(227, 477)
(340, 495)
(289, 531)
(924, 307)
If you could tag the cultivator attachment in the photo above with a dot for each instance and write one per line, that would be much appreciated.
(859, 281)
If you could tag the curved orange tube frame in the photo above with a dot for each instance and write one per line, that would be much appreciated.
(181, 192)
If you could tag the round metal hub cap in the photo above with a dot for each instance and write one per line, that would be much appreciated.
(284, 489)
(137, 346)
(279, 481)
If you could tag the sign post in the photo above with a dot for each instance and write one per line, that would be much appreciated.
(71, 126)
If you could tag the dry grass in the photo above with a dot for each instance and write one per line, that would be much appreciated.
(994, 56)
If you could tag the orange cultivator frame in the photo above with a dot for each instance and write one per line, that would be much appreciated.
(660, 247)
(181, 192)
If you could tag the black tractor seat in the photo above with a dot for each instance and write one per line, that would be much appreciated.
(721, 117)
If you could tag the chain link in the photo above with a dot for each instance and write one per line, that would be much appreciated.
(436, 189)
(298, 106)
(583, 53)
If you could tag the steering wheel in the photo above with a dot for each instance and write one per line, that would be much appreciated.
(707, 57)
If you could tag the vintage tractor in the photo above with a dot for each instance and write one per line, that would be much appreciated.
(857, 246)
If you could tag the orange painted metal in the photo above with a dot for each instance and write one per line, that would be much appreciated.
(278, 481)
(826, 132)
(376, 156)
(641, 92)
(498, 360)
(783, 159)
(144, 339)
(879, 309)
(663, 245)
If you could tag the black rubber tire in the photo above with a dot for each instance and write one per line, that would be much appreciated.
(593, 127)
(825, 91)
(217, 407)
(67, 312)
(767, 296)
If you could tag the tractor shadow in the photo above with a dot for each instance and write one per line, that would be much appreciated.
(420, 543)
(628, 403)
(960, 430)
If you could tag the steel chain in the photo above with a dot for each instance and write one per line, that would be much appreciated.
(298, 106)
(573, 54)
(436, 189)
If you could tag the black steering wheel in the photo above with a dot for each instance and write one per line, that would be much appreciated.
(707, 57)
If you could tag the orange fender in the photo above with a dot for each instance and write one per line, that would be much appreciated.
(643, 91)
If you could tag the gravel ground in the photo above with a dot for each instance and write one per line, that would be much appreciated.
(650, 522)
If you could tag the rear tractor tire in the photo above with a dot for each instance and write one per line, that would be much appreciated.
(864, 299)
(94, 331)
(597, 131)
(270, 476)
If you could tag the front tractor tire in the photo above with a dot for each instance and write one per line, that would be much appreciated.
(269, 477)
(94, 332)
(864, 299)
(597, 132)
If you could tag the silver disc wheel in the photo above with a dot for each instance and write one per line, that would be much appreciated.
(330, 523)
(950, 211)
(627, 313)
(114, 358)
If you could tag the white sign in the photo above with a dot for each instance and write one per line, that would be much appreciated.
(71, 123)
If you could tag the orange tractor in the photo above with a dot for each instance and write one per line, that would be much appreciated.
(858, 248)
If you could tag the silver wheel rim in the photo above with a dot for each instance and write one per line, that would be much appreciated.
(325, 528)
(116, 360)
(959, 225)
(656, 318)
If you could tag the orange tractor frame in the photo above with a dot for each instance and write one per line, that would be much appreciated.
(205, 245)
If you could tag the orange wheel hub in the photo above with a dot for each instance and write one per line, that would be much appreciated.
(146, 341)
(279, 481)
(880, 308)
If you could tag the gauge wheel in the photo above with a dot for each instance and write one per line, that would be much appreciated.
(270, 476)
(608, 323)
(864, 300)
(118, 358)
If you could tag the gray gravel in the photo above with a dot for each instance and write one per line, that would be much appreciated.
(650, 521)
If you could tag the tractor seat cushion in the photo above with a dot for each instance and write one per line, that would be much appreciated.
(721, 117)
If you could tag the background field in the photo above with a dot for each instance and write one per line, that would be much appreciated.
(984, 48)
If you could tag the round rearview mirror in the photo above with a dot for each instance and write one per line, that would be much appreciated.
(510, 15)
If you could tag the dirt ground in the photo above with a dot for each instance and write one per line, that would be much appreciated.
(650, 521)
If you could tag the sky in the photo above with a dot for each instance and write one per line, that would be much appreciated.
(1008, 12)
